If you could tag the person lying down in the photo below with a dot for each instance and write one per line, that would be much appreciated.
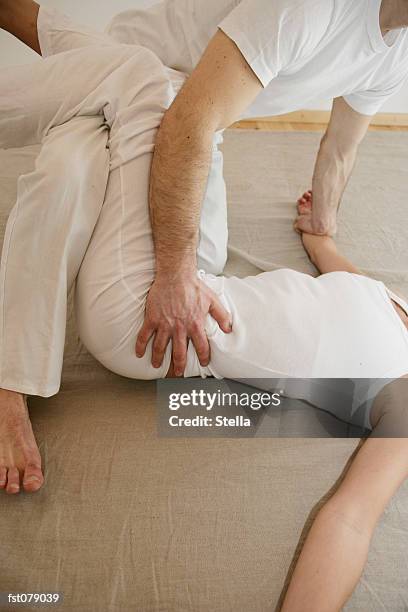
(89, 223)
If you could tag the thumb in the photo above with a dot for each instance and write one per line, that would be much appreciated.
(221, 315)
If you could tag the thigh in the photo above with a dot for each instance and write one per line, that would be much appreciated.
(117, 273)
(35, 98)
(58, 33)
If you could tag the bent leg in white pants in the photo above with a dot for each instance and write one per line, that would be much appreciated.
(62, 200)
(59, 33)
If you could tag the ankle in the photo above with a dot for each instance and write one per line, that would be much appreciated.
(6, 393)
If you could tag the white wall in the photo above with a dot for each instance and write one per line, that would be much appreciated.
(97, 14)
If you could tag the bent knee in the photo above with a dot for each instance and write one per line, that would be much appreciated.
(122, 360)
(108, 329)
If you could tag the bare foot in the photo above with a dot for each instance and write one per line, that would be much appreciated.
(305, 203)
(326, 226)
(314, 244)
(20, 459)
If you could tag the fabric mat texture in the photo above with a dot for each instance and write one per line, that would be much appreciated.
(128, 521)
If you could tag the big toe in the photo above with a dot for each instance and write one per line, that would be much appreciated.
(33, 477)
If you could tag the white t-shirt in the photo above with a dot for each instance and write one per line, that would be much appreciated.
(301, 50)
(335, 326)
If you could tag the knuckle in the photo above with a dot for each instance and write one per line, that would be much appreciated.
(179, 325)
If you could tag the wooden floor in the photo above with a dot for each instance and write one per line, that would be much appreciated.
(316, 121)
(287, 126)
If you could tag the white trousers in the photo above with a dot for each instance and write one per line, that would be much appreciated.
(96, 111)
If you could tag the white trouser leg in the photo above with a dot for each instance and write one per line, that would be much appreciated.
(38, 97)
(119, 266)
(117, 273)
(57, 206)
(46, 237)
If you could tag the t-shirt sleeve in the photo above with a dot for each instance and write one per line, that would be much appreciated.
(273, 34)
(370, 102)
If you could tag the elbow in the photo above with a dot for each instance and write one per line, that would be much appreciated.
(193, 122)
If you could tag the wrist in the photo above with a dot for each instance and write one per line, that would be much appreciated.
(176, 273)
(177, 261)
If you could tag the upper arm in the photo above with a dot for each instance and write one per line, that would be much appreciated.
(221, 87)
(392, 400)
(347, 127)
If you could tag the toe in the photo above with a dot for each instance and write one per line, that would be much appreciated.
(33, 477)
(304, 209)
(13, 481)
(3, 476)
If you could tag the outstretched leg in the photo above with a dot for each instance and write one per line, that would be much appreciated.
(336, 548)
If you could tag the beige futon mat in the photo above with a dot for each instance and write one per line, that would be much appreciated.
(130, 521)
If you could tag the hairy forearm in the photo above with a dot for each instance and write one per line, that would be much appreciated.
(333, 169)
(178, 181)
